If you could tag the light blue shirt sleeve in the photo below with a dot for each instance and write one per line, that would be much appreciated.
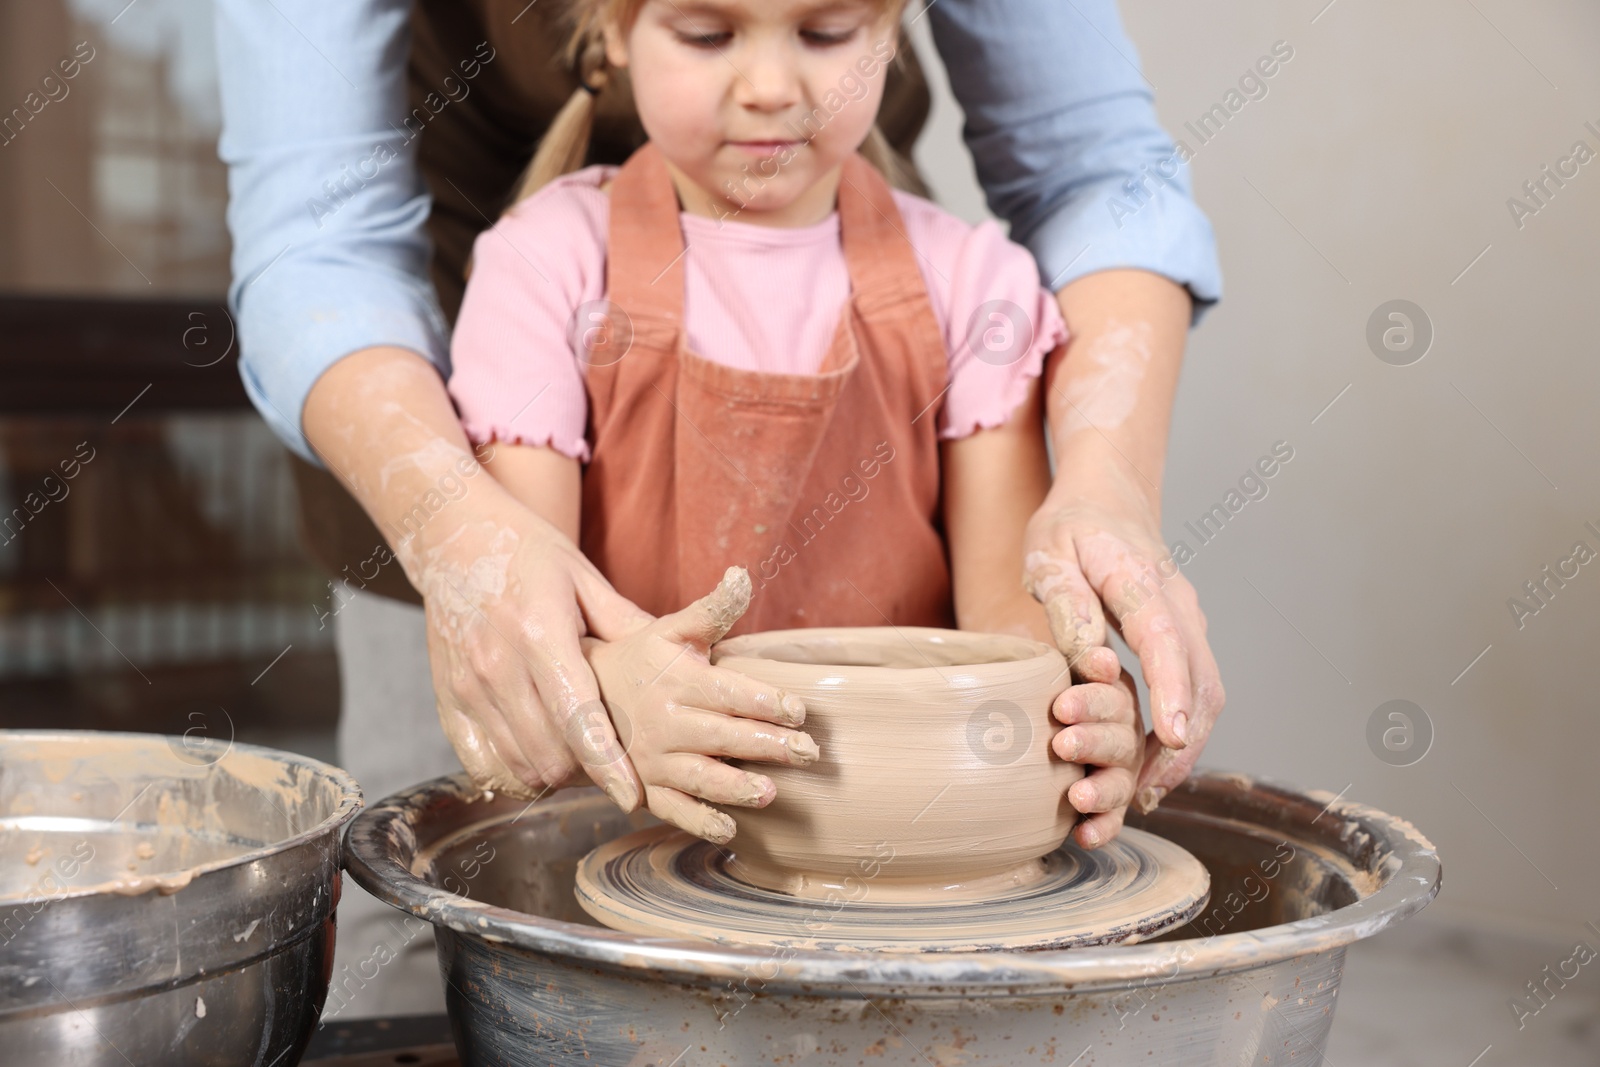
(326, 206)
(1063, 133)
(327, 209)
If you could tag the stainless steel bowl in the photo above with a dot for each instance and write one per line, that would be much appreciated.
(164, 900)
(1295, 878)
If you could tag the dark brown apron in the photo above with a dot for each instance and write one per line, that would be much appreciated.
(472, 151)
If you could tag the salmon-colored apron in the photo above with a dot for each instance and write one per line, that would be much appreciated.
(825, 487)
(471, 153)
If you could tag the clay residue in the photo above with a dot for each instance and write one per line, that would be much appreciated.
(729, 601)
(1353, 812)
(188, 815)
(661, 882)
(1106, 392)
(165, 884)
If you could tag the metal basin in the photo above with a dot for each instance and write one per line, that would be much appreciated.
(1295, 878)
(164, 900)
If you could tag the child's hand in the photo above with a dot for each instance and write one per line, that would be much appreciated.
(675, 713)
(1103, 730)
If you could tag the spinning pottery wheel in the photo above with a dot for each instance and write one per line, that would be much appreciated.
(531, 979)
(664, 882)
(934, 821)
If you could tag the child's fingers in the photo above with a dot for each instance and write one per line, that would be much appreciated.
(712, 780)
(1107, 789)
(1099, 745)
(1097, 830)
(704, 622)
(689, 815)
(731, 693)
(1096, 702)
(712, 734)
(1098, 665)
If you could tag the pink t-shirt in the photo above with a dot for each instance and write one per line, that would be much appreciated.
(756, 297)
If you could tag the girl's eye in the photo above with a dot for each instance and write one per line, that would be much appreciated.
(705, 40)
(825, 38)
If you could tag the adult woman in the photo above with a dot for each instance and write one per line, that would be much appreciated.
(341, 339)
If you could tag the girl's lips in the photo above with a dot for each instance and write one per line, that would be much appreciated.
(764, 147)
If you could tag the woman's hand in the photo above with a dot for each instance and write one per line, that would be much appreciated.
(507, 593)
(1087, 550)
(676, 714)
(508, 598)
(1097, 538)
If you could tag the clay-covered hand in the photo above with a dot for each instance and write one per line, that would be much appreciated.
(507, 597)
(678, 716)
(1080, 553)
(1102, 729)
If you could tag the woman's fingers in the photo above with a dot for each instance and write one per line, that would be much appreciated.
(1155, 634)
(1166, 768)
(607, 614)
(690, 815)
(477, 754)
(571, 697)
(711, 734)
(471, 708)
(1056, 580)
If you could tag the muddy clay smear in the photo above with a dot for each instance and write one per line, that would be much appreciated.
(129, 814)
(663, 882)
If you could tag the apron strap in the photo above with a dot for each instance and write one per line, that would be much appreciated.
(646, 260)
(886, 281)
(645, 276)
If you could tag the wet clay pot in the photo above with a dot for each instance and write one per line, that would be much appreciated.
(936, 779)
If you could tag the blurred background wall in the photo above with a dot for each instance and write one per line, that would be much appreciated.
(151, 576)
(1376, 167)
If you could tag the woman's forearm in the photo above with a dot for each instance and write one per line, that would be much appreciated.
(381, 420)
(1109, 394)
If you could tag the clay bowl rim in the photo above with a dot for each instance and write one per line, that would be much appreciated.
(382, 843)
(745, 648)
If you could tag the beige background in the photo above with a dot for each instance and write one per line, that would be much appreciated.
(1380, 563)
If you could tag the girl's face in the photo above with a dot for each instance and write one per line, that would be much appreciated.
(756, 103)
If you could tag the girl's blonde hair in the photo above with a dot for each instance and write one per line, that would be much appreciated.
(565, 145)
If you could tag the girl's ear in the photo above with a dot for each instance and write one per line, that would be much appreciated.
(616, 45)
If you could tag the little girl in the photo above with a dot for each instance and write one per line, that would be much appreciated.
(743, 348)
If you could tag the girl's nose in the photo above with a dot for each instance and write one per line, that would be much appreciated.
(770, 78)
